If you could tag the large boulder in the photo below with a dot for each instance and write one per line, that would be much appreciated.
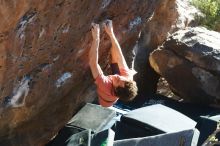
(44, 72)
(169, 16)
(190, 61)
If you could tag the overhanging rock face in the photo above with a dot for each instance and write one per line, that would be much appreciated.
(44, 74)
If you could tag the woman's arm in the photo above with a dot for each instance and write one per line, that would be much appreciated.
(116, 53)
(93, 53)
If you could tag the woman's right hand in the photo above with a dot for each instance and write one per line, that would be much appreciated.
(95, 31)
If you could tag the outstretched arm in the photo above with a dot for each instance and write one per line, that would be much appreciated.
(116, 53)
(93, 53)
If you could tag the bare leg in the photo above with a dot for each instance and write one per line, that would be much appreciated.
(116, 53)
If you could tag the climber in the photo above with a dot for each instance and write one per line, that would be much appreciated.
(111, 87)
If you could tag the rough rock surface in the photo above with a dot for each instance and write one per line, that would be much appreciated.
(190, 61)
(169, 16)
(44, 74)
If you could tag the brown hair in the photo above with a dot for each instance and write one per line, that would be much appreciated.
(128, 92)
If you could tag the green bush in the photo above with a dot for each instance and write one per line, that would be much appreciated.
(211, 11)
